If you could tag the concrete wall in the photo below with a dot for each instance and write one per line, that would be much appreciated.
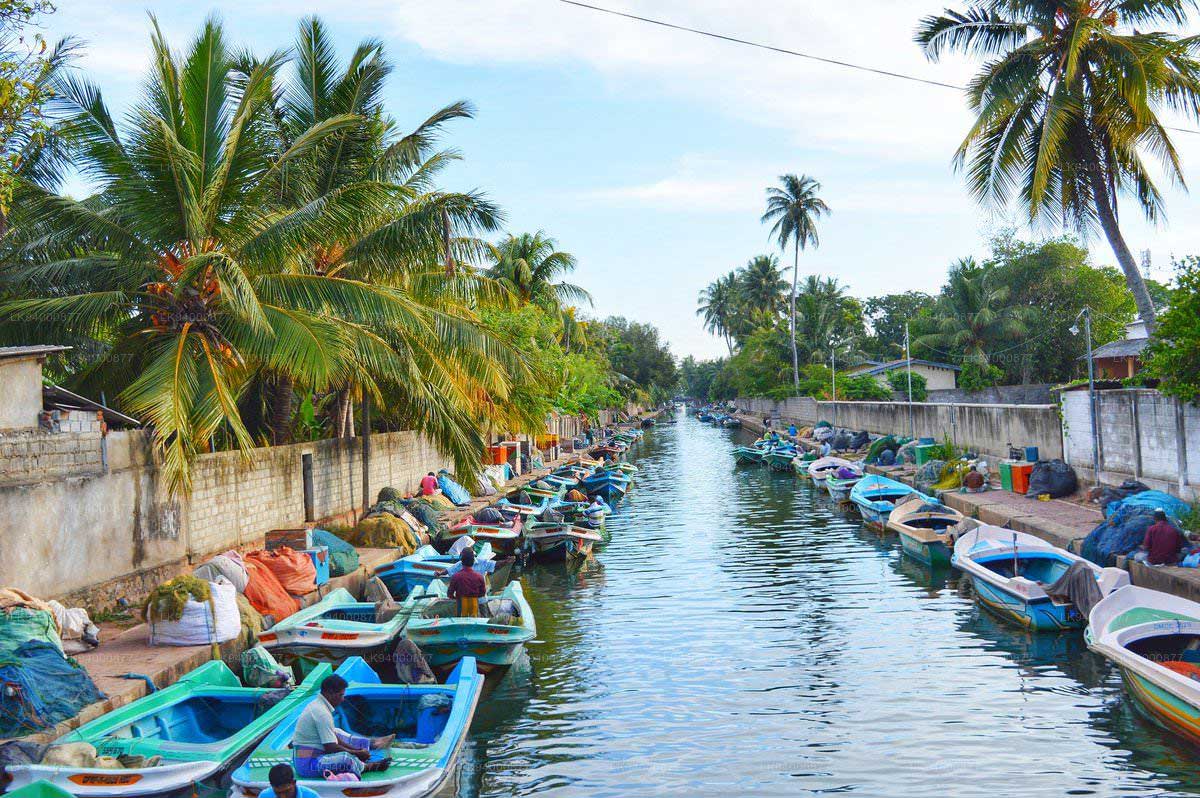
(1143, 435)
(987, 429)
(20, 393)
(999, 395)
(66, 525)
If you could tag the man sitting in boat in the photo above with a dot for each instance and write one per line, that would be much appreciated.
(283, 784)
(467, 586)
(320, 748)
(1162, 543)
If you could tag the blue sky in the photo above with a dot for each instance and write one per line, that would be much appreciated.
(646, 151)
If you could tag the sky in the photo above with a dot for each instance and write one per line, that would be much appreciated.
(646, 151)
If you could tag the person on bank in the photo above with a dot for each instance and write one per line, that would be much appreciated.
(1162, 543)
(319, 747)
(467, 586)
(429, 484)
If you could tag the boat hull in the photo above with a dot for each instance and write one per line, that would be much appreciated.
(1163, 708)
(1039, 615)
(933, 554)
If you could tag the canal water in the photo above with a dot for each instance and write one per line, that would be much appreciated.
(740, 635)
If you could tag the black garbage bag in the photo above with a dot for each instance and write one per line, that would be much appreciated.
(1053, 477)
(840, 442)
(489, 515)
(1129, 487)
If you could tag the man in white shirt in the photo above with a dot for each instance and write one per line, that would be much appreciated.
(319, 747)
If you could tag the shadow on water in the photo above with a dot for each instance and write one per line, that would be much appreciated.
(744, 636)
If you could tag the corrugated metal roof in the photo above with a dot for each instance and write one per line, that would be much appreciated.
(883, 368)
(1129, 347)
(54, 396)
(7, 352)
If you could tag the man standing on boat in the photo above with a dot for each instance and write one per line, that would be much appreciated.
(320, 748)
(467, 586)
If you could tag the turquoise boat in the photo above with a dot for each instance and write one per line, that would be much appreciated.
(926, 530)
(1010, 572)
(200, 727)
(780, 458)
(748, 455)
(430, 722)
(39, 789)
(426, 564)
(1153, 638)
(336, 627)
(876, 496)
(495, 639)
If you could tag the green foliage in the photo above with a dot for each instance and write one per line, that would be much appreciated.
(167, 601)
(642, 362)
(887, 316)
(976, 376)
(696, 378)
(862, 388)
(1174, 353)
(899, 380)
(974, 314)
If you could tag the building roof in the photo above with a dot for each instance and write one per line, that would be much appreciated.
(1128, 347)
(14, 352)
(883, 368)
(56, 397)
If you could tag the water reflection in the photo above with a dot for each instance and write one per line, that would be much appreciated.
(744, 636)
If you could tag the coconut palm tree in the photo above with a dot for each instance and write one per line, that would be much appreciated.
(529, 264)
(1067, 107)
(793, 209)
(972, 315)
(720, 304)
(762, 288)
(825, 316)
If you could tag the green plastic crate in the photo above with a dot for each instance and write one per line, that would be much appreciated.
(1006, 475)
(924, 453)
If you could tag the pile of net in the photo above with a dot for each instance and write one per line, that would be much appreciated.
(1126, 523)
(343, 557)
(1106, 494)
(268, 596)
(385, 531)
(928, 474)
(951, 475)
(878, 447)
(187, 611)
(24, 618)
(427, 514)
(41, 688)
(259, 669)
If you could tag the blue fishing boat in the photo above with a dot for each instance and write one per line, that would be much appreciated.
(429, 721)
(608, 485)
(876, 496)
(426, 564)
(495, 638)
(1011, 574)
(336, 627)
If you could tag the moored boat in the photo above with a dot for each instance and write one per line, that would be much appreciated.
(1014, 575)
(839, 483)
(336, 627)
(496, 638)
(875, 496)
(195, 730)
(1154, 638)
(748, 455)
(780, 458)
(822, 467)
(926, 529)
(429, 721)
(427, 563)
(551, 541)
(505, 538)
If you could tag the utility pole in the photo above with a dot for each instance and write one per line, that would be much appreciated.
(833, 379)
(908, 362)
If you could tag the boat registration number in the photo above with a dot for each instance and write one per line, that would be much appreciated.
(105, 779)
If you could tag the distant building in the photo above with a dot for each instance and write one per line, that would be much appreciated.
(1121, 359)
(27, 403)
(938, 376)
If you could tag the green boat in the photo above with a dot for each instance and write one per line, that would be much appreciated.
(197, 729)
(496, 638)
(39, 789)
(780, 459)
(748, 455)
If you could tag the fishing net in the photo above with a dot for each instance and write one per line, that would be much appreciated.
(19, 625)
(41, 688)
(388, 495)
(1117, 535)
(267, 595)
(878, 446)
(168, 601)
(251, 620)
(428, 515)
(951, 475)
(386, 532)
(259, 669)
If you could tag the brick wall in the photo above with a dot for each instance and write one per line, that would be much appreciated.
(30, 455)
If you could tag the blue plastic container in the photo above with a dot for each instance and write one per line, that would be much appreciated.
(1031, 454)
(320, 560)
(925, 441)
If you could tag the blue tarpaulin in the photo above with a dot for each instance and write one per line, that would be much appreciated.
(41, 688)
(1126, 523)
(1152, 499)
(454, 492)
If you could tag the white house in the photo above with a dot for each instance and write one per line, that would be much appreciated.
(938, 376)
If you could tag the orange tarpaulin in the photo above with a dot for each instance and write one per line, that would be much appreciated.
(294, 570)
(266, 594)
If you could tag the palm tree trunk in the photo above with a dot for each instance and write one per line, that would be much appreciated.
(792, 325)
(281, 411)
(1106, 211)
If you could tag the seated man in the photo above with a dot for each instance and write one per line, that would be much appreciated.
(467, 586)
(283, 784)
(1162, 543)
(319, 747)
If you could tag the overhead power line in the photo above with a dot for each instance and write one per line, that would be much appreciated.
(785, 51)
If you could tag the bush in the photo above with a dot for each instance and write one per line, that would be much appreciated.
(1174, 353)
(976, 377)
(899, 381)
(863, 388)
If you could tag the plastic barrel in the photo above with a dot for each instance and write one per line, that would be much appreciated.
(1031, 454)
(925, 441)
